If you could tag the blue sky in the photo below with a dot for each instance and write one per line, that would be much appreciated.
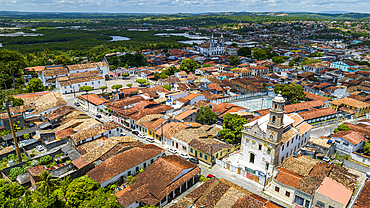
(189, 6)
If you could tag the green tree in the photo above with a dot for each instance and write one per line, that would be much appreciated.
(103, 88)
(259, 54)
(86, 88)
(206, 116)
(245, 51)
(129, 85)
(293, 92)
(125, 75)
(35, 85)
(278, 59)
(10, 193)
(342, 127)
(63, 184)
(264, 85)
(15, 101)
(207, 65)
(14, 172)
(117, 87)
(86, 192)
(45, 160)
(235, 45)
(233, 60)
(189, 65)
(366, 148)
(232, 128)
(61, 59)
(291, 63)
(141, 81)
(47, 184)
(307, 61)
(167, 87)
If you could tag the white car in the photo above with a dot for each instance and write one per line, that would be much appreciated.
(85, 109)
(123, 135)
(150, 139)
(141, 136)
(173, 150)
(39, 148)
(184, 155)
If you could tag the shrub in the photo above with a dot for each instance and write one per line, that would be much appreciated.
(203, 179)
(14, 172)
(45, 160)
(11, 156)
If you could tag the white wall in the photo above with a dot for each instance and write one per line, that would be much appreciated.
(76, 86)
(197, 99)
(181, 145)
(261, 156)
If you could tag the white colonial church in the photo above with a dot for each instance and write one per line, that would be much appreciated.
(213, 47)
(267, 141)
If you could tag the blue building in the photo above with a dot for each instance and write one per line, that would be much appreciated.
(346, 65)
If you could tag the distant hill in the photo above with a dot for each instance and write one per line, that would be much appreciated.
(333, 16)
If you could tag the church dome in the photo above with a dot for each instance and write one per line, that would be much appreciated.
(279, 98)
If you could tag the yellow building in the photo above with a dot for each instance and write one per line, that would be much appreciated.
(204, 148)
(351, 106)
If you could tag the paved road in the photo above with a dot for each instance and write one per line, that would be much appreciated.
(109, 85)
(328, 129)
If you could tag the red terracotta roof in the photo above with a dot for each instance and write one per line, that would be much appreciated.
(123, 161)
(94, 99)
(64, 133)
(288, 178)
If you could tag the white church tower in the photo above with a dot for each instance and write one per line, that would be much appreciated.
(261, 139)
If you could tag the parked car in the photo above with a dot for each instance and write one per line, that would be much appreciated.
(210, 176)
(184, 155)
(98, 116)
(77, 104)
(194, 160)
(39, 148)
(85, 109)
(141, 136)
(135, 132)
(150, 139)
(123, 134)
(173, 150)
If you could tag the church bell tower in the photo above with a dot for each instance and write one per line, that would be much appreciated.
(275, 125)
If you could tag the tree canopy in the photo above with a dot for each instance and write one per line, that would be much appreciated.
(342, 127)
(232, 128)
(86, 88)
(167, 87)
(206, 116)
(245, 51)
(141, 81)
(293, 92)
(35, 85)
(233, 60)
(278, 59)
(117, 87)
(189, 65)
(81, 192)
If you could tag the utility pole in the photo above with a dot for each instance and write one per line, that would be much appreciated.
(13, 132)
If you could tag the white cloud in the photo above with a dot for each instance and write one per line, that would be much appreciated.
(169, 6)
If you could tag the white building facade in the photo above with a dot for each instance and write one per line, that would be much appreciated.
(266, 142)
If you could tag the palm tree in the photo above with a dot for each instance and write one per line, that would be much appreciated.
(47, 184)
(63, 184)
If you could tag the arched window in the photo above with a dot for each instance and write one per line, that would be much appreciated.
(273, 119)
